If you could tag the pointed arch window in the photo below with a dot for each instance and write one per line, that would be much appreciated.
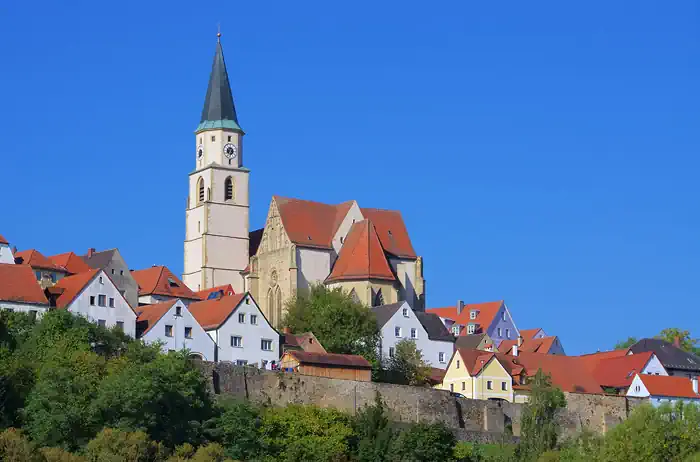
(378, 298)
(200, 190)
(354, 297)
(270, 307)
(278, 305)
(228, 189)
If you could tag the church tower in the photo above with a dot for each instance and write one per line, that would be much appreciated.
(217, 226)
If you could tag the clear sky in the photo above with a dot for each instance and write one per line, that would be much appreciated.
(541, 152)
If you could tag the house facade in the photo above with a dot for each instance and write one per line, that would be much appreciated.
(240, 330)
(158, 284)
(477, 374)
(94, 296)
(492, 318)
(19, 290)
(112, 262)
(6, 255)
(661, 389)
(172, 324)
(46, 272)
(675, 360)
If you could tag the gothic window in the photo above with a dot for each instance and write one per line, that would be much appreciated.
(200, 190)
(270, 307)
(228, 189)
(354, 297)
(278, 305)
(208, 194)
(378, 299)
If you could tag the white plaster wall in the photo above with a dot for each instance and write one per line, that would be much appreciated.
(353, 215)
(24, 307)
(429, 348)
(251, 335)
(121, 311)
(200, 342)
(405, 270)
(226, 253)
(6, 254)
(214, 150)
(654, 367)
(314, 265)
(240, 182)
(227, 219)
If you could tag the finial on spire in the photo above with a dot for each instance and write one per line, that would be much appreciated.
(218, 32)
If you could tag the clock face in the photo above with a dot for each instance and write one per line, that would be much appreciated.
(200, 151)
(230, 150)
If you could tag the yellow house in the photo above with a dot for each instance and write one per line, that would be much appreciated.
(477, 374)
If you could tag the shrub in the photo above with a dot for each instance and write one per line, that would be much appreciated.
(423, 443)
(112, 445)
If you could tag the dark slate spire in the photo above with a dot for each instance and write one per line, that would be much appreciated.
(219, 110)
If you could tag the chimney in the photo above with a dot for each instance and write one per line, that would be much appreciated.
(677, 341)
(91, 251)
(694, 381)
(287, 330)
(460, 306)
(520, 340)
(515, 350)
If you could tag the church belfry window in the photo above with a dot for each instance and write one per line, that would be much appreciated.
(213, 138)
(228, 189)
(229, 138)
(200, 190)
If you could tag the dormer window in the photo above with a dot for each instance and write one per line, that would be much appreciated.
(472, 314)
(471, 328)
(172, 283)
(455, 329)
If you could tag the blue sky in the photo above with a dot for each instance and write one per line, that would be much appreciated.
(541, 152)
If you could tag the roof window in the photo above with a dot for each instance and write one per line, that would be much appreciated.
(172, 283)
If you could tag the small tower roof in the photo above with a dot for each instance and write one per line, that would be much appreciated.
(219, 110)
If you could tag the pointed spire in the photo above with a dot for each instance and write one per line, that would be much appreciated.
(219, 110)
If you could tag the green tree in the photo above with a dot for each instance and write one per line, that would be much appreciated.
(625, 343)
(112, 445)
(687, 343)
(372, 432)
(407, 364)
(236, 426)
(341, 324)
(538, 422)
(423, 443)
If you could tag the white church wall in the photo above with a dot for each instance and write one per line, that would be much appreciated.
(314, 265)
(405, 270)
(353, 215)
(6, 255)
(227, 220)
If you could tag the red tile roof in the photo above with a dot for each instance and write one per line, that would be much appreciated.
(671, 386)
(330, 359)
(567, 372)
(36, 259)
(225, 290)
(72, 286)
(306, 341)
(210, 314)
(19, 285)
(362, 256)
(486, 314)
(3, 240)
(149, 315)
(529, 334)
(620, 371)
(70, 262)
(392, 231)
(475, 360)
(541, 345)
(311, 224)
(159, 280)
(591, 360)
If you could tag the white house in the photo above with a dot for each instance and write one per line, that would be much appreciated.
(241, 332)
(661, 389)
(173, 325)
(397, 321)
(6, 255)
(92, 294)
(19, 290)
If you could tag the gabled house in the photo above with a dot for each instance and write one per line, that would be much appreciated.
(676, 361)
(215, 292)
(46, 273)
(397, 322)
(71, 262)
(301, 342)
(665, 389)
(112, 262)
(94, 295)
(476, 342)
(6, 256)
(172, 324)
(159, 284)
(19, 290)
(241, 332)
(477, 374)
(615, 375)
(549, 345)
(492, 318)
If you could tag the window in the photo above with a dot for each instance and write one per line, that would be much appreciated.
(378, 298)
(397, 331)
(254, 319)
(120, 325)
(441, 357)
(228, 189)
(504, 386)
(452, 387)
(455, 330)
(188, 332)
(391, 352)
(489, 385)
(414, 332)
(241, 318)
(101, 281)
(121, 272)
(472, 314)
(92, 300)
(507, 333)
(200, 190)
(241, 362)
(101, 322)
(102, 300)
(53, 277)
(178, 311)
(405, 312)
(504, 315)
(213, 138)
(32, 314)
(637, 388)
(112, 270)
(38, 275)
(229, 138)
(471, 328)
(266, 345)
(168, 330)
(111, 302)
(458, 364)
(236, 341)
(173, 283)
(499, 331)
(464, 386)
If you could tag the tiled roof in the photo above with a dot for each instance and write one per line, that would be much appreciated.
(434, 327)
(541, 345)
(70, 261)
(619, 372)
(486, 313)
(470, 341)
(362, 256)
(311, 224)
(72, 286)
(223, 290)
(669, 355)
(149, 315)
(330, 359)
(159, 280)
(671, 386)
(306, 341)
(392, 231)
(19, 285)
(529, 334)
(254, 239)
(36, 259)
(3, 240)
(384, 313)
(475, 360)
(567, 372)
(211, 314)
